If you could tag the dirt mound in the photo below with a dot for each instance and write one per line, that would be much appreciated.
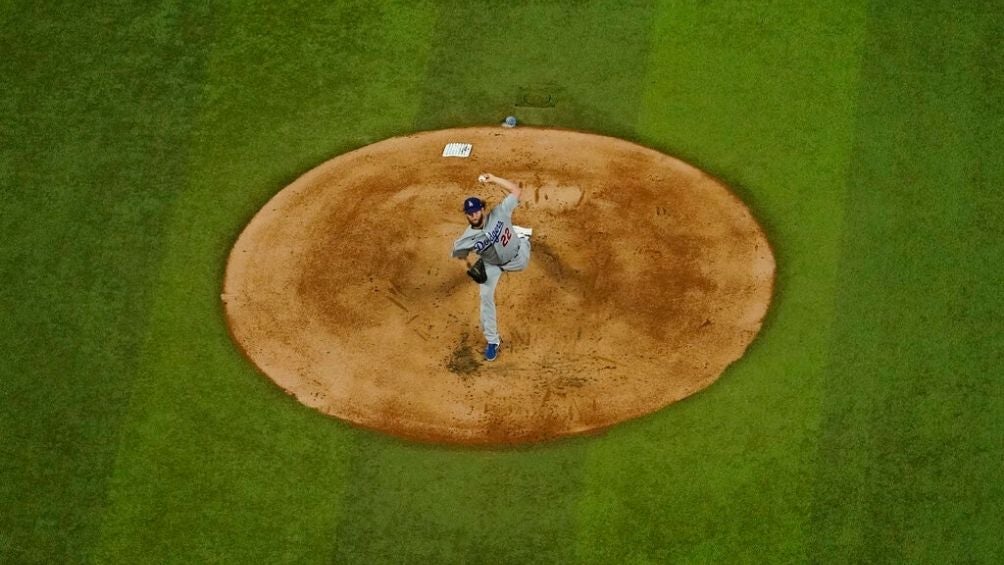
(648, 278)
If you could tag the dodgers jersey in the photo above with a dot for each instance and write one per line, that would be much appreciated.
(495, 241)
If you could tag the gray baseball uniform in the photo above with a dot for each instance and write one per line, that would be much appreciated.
(497, 243)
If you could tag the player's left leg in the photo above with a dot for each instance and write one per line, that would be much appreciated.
(489, 324)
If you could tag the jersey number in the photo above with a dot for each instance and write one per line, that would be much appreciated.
(506, 236)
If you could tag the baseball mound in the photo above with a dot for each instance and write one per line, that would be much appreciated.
(647, 279)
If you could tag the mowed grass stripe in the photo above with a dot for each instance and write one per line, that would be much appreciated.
(764, 99)
(219, 464)
(97, 113)
(568, 64)
(910, 462)
(426, 504)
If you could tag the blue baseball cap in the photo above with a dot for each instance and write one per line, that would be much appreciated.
(473, 204)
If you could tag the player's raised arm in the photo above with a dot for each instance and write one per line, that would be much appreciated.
(509, 186)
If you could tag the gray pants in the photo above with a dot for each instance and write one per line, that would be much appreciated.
(488, 322)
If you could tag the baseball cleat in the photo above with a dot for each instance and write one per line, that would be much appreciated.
(492, 351)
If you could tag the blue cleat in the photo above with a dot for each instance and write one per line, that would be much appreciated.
(492, 351)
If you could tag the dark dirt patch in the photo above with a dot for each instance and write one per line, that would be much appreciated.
(465, 359)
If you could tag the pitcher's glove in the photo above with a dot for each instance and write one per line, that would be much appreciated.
(477, 272)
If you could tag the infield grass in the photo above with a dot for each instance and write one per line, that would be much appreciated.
(98, 110)
(910, 462)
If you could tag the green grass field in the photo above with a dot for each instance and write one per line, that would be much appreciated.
(865, 424)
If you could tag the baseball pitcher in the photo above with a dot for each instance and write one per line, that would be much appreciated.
(499, 246)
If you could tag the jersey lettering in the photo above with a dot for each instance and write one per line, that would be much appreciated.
(492, 238)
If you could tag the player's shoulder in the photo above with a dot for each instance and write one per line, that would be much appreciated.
(509, 203)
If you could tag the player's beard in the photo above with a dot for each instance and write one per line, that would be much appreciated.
(480, 223)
